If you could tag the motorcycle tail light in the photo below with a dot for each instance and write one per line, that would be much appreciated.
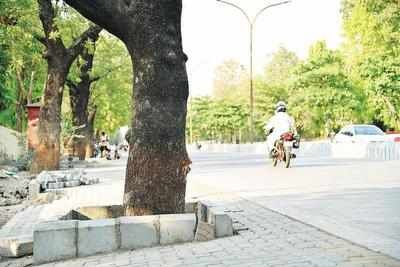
(287, 137)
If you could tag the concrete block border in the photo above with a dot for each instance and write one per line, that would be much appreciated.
(73, 238)
(16, 246)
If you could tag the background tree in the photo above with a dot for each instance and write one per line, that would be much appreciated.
(22, 70)
(79, 94)
(112, 94)
(323, 98)
(101, 98)
(372, 47)
(231, 81)
(274, 86)
(59, 59)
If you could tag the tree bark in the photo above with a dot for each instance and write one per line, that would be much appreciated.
(59, 60)
(79, 99)
(91, 137)
(158, 162)
(21, 101)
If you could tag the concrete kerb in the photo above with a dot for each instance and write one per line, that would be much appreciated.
(139, 232)
(59, 240)
(16, 246)
(212, 217)
(97, 236)
(177, 228)
(55, 240)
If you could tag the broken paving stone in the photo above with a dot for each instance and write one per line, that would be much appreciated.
(58, 180)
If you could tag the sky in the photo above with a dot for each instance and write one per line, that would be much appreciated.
(214, 32)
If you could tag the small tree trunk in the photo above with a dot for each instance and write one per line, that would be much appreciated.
(91, 137)
(79, 98)
(21, 101)
(47, 154)
(59, 60)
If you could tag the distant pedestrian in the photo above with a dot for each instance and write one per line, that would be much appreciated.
(103, 144)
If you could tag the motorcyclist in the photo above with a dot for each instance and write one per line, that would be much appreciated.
(279, 124)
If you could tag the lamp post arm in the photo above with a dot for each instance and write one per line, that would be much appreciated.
(267, 7)
(238, 7)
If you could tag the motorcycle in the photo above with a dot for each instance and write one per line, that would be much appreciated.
(282, 150)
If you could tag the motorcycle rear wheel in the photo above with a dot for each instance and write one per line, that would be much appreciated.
(274, 161)
(287, 158)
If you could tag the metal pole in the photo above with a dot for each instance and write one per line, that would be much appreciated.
(190, 122)
(251, 86)
(251, 24)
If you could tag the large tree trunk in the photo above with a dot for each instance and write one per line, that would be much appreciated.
(47, 154)
(158, 162)
(59, 60)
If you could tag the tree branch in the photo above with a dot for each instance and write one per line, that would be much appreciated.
(47, 17)
(105, 13)
(92, 115)
(99, 77)
(40, 38)
(79, 44)
(71, 84)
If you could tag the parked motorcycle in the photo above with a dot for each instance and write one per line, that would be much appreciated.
(282, 150)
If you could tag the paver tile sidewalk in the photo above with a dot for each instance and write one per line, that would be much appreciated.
(265, 238)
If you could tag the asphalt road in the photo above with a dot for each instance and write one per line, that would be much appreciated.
(358, 200)
(249, 173)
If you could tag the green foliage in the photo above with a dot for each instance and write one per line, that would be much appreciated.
(231, 81)
(372, 29)
(21, 64)
(112, 94)
(323, 98)
(217, 119)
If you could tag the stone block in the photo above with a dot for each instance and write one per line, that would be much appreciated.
(72, 183)
(204, 231)
(202, 211)
(98, 236)
(177, 228)
(139, 231)
(34, 189)
(223, 223)
(16, 246)
(54, 240)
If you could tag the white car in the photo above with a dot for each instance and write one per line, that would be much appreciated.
(356, 133)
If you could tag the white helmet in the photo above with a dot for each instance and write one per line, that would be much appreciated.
(280, 106)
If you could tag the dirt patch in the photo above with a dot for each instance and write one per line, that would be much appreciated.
(13, 187)
(13, 192)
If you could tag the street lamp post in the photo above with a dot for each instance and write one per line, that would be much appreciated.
(251, 28)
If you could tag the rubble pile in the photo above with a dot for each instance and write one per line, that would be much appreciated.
(62, 179)
(13, 188)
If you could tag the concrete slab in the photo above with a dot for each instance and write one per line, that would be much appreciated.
(204, 231)
(98, 236)
(139, 232)
(177, 228)
(54, 240)
(16, 246)
(223, 224)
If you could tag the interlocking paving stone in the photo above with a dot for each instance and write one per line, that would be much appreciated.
(272, 240)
